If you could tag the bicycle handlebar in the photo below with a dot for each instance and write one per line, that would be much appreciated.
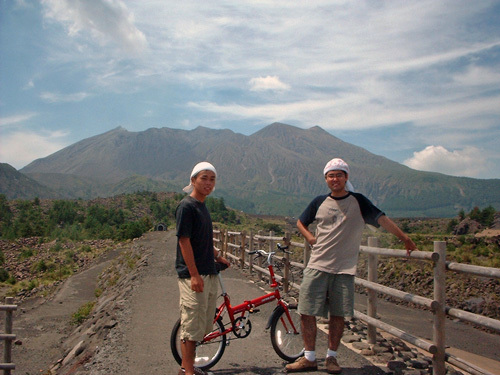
(264, 253)
(220, 266)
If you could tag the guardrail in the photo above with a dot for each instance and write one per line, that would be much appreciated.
(236, 245)
(8, 337)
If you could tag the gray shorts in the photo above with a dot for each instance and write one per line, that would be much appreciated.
(322, 293)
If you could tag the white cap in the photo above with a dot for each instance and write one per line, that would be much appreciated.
(203, 166)
(337, 164)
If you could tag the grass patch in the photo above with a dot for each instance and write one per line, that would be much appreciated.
(83, 313)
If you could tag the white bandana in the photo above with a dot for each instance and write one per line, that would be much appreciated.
(203, 166)
(338, 165)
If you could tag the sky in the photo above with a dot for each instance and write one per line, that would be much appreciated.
(415, 81)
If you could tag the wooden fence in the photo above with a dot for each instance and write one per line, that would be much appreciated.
(236, 246)
(8, 337)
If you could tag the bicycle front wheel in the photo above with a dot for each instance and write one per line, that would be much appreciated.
(207, 353)
(287, 341)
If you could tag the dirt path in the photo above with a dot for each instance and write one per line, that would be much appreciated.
(42, 324)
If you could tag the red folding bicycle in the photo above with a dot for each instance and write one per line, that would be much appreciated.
(284, 324)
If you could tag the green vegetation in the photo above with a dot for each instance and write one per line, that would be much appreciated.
(121, 218)
(484, 217)
(83, 313)
(60, 232)
(219, 212)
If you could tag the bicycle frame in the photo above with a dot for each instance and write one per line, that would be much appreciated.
(248, 306)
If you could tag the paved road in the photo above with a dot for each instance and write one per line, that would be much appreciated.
(154, 309)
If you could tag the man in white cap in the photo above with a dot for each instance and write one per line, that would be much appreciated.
(327, 288)
(195, 264)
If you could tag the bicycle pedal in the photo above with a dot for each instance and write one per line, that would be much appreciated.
(253, 311)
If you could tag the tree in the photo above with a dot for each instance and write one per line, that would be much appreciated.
(484, 217)
(487, 216)
(5, 216)
(64, 212)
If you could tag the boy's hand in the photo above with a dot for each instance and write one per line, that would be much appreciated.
(197, 284)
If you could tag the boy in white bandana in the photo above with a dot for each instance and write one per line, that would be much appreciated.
(327, 288)
(195, 264)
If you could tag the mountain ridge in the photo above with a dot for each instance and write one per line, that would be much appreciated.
(276, 170)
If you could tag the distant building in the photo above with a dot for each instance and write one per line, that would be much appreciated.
(161, 227)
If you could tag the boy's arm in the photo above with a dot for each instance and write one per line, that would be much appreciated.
(391, 227)
(187, 254)
(306, 233)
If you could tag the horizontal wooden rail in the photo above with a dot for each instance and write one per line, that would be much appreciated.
(422, 344)
(421, 255)
(474, 270)
(464, 365)
(8, 307)
(474, 318)
(408, 297)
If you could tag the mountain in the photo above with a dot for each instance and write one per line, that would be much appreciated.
(276, 170)
(14, 185)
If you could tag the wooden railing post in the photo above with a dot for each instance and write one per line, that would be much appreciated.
(259, 259)
(223, 242)
(438, 359)
(372, 294)
(286, 274)
(242, 250)
(7, 350)
(250, 249)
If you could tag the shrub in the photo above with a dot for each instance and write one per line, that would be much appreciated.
(56, 248)
(26, 252)
(4, 275)
(41, 266)
(85, 249)
(83, 313)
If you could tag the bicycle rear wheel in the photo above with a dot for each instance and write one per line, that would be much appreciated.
(207, 353)
(287, 342)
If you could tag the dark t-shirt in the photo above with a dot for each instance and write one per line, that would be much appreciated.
(194, 222)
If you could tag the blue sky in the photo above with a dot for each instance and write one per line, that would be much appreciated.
(415, 81)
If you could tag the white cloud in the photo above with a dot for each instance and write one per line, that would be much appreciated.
(4, 121)
(268, 83)
(106, 20)
(468, 162)
(29, 85)
(21, 148)
(266, 112)
(51, 97)
(478, 76)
